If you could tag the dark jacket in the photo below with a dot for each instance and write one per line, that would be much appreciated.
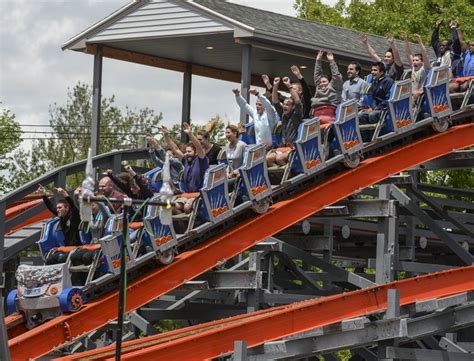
(69, 223)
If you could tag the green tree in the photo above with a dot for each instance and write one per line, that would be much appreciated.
(10, 139)
(71, 132)
(380, 16)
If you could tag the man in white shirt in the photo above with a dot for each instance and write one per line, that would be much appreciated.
(263, 116)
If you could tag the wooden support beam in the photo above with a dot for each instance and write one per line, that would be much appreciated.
(171, 64)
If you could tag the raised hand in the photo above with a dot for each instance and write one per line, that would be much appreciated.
(129, 170)
(330, 56)
(41, 189)
(417, 37)
(439, 23)
(253, 91)
(287, 82)
(164, 130)
(390, 37)
(296, 71)
(404, 35)
(364, 38)
(61, 191)
(276, 81)
(320, 55)
(187, 128)
(453, 24)
(236, 91)
(266, 81)
(151, 141)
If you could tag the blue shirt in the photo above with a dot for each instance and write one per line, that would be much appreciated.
(194, 173)
(468, 69)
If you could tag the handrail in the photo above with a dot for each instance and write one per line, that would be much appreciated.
(48, 177)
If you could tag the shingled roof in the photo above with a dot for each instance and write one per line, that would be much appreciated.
(303, 33)
(172, 33)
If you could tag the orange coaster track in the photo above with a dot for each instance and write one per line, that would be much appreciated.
(42, 339)
(215, 338)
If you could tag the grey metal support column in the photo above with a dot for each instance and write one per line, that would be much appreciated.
(246, 75)
(186, 105)
(254, 296)
(240, 351)
(3, 329)
(96, 101)
(387, 243)
(393, 311)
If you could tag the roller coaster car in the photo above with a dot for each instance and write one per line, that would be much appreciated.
(47, 291)
(44, 292)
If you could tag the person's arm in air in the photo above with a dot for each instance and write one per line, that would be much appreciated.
(318, 70)
(172, 145)
(47, 202)
(406, 45)
(396, 55)
(199, 149)
(424, 52)
(370, 50)
(269, 109)
(156, 152)
(435, 37)
(118, 183)
(464, 45)
(292, 90)
(304, 86)
(243, 103)
(336, 76)
(145, 190)
(455, 37)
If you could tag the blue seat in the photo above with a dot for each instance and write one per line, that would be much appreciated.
(249, 135)
(400, 105)
(111, 244)
(254, 175)
(437, 101)
(309, 155)
(154, 176)
(51, 237)
(215, 195)
(347, 137)
(158, 236)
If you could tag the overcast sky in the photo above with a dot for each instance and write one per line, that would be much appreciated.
(35, 72)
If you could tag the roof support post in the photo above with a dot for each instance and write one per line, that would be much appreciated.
(186, 105)
(96, 101)
(246, 75)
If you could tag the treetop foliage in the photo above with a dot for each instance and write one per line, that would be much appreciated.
(382, 16)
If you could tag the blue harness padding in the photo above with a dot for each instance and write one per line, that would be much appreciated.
(51, 237)
(400, 108)
(156, 235)
(255, 184)
(215, 194)
(309, 155)
(437, 102)
(154, 177)
(347, 138)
